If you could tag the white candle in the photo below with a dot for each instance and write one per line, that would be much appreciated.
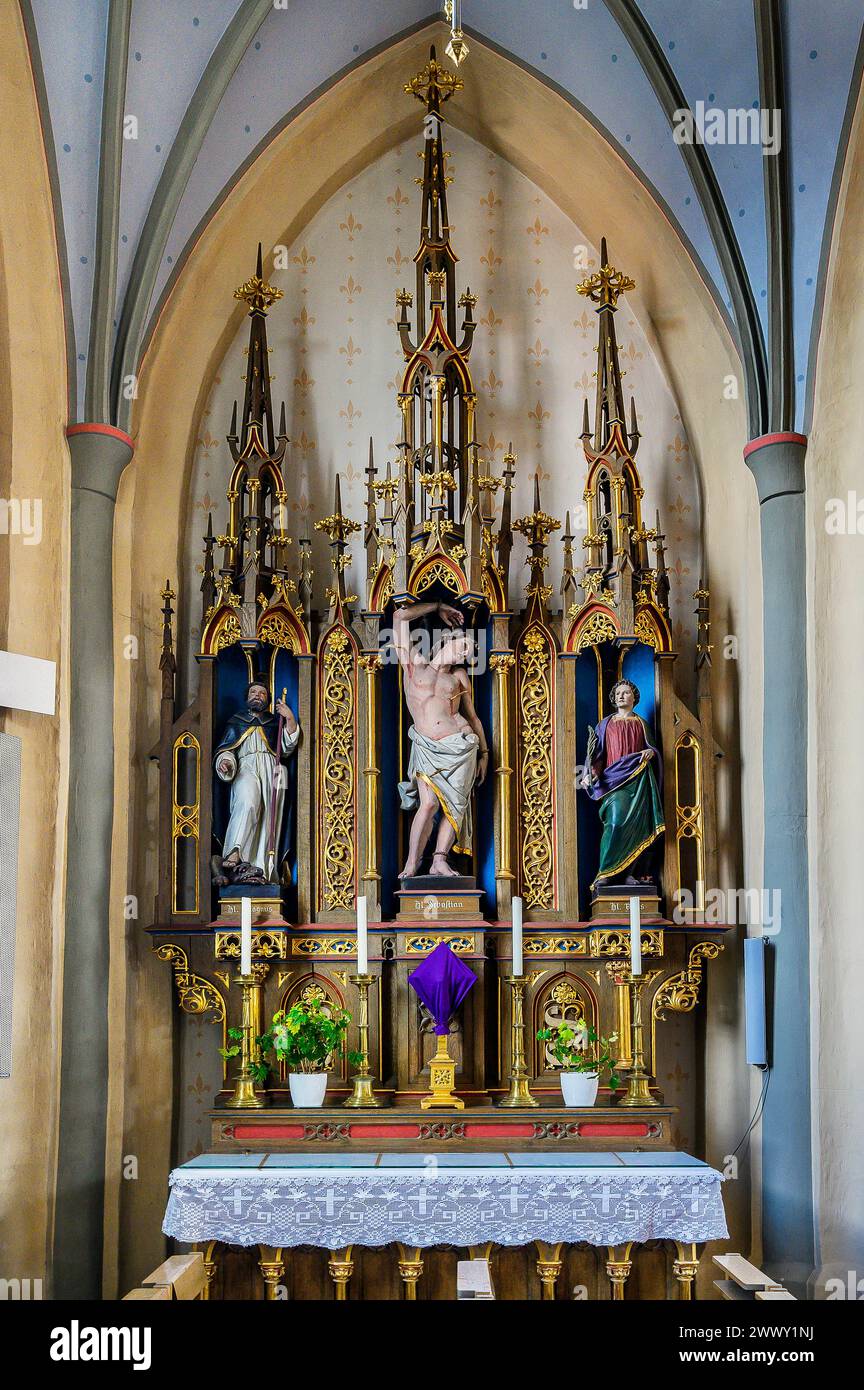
(517, 936)
(635, 937)
(245, 936)
(362, 939)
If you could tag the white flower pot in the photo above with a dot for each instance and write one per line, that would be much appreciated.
(307, 1088)
(579, 1088)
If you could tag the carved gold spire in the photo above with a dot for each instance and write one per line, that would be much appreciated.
(436, 503)
(257, 434)
(604, 289)
(537, 527)
(340, 529)
(167, 660)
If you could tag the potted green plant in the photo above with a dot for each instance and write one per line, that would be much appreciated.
(583, 1055)
(305, 1038)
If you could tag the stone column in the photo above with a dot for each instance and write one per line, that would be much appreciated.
(99, 455)
(777, 463)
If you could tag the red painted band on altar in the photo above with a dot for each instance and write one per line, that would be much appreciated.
(110, 430)
(784, 437)
(268, 1131)
(406, 1131)
(495, 1131)
(604, 1131)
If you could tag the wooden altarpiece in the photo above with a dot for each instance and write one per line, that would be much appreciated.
(438, 524)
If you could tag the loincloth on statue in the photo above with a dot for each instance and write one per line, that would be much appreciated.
(449, 766)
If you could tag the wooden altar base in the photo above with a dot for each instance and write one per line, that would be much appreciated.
(659, 1271)
(473, 1130)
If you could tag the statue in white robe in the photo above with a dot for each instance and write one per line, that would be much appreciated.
(247, 758)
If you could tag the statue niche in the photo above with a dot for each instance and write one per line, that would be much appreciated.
(449, 748)
(621, 774)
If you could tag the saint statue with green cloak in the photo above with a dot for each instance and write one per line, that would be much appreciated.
(622, 771)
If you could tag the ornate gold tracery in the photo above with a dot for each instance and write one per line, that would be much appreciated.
(598, 626)
(565, 999)
(337, 788)
(536, 767)
(316, 992)
(185, 819)
(689, 826)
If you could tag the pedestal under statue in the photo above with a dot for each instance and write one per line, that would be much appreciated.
(247, 757)
(620, 775)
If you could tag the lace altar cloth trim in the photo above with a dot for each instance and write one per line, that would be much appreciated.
(444, 1208)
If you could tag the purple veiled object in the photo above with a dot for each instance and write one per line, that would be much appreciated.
(441, 983)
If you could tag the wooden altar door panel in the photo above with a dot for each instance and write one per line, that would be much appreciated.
(376, 1273)
(651, 1277)
(583, 1275)
(439, 1273)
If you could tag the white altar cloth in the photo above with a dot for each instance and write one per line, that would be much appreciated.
(444, 1199)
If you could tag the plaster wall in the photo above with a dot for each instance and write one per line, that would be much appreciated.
(34, 621)
(835, 571)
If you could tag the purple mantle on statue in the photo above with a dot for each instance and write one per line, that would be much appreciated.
(610, 778)
(441, 983)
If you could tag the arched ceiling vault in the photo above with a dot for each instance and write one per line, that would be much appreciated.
(207, 85)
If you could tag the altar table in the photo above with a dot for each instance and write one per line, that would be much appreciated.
(422, 1200)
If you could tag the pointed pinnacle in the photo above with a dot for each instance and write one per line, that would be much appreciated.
(537, 492)
(234, 419)
(338, 504)
(259, 264)
(586, 421)
(604, 254)
(282, 429)
(634, 427)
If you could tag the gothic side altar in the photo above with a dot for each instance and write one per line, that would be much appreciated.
(428, 755)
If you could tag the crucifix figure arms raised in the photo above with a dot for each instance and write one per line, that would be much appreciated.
(449, 753)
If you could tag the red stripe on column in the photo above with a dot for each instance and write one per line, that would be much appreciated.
(110, 430)
(785, 437)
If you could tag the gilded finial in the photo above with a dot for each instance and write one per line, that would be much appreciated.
(256, 292)
(433, 83)
(607, 284)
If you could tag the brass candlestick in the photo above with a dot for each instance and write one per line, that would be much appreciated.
(519, 1096)
(363, 1097)
(638, 1090)
(245, 1096)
